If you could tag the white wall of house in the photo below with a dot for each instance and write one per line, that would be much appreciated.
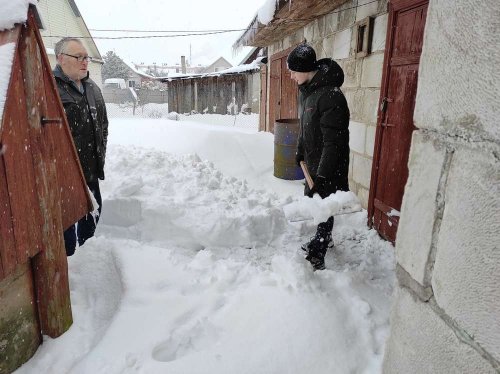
(60, 20)
(446, 313)
(334, 35)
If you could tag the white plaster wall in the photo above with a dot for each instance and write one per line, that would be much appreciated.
(366, 8)
(461, 50)
(372, 70)
(379, 33)
(449, 232)
(370, 140)
(357, 135)
(342, 44)
(362, 170)
(466, 279)
(420, 205)
(421, 343)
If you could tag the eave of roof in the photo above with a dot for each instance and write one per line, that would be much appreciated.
(289, 17)
(235, 70)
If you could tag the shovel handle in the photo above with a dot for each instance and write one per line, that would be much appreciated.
(305, 170)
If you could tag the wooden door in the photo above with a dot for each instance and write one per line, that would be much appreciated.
(263, 98)
(274, 93)
(395, 116)
(283, 92)
(289, 93)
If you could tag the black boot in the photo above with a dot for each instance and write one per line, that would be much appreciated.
(327, 237)
(316, 248)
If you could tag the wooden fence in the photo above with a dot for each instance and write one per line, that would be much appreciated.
(223, 94)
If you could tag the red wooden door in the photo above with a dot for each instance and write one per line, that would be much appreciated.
(395, 117)
(289, 92)
(283, 91)
(274, 93)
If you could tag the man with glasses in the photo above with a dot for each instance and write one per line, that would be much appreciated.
(86, 113)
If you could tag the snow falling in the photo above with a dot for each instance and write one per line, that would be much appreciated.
(196, 266)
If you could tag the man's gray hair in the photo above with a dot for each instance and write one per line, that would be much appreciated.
(60, 46)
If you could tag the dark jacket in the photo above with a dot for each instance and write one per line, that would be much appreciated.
(88, 121)
(323, 140)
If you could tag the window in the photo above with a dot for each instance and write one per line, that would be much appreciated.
(364, 37)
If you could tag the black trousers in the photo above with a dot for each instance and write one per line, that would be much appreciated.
(85, 228)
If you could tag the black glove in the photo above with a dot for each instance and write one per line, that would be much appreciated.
(299, 157)
(319, 187)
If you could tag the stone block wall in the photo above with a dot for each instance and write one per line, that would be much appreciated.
(334, 35)
(446, 313)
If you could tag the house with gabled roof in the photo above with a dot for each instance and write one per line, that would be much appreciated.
(218, 65)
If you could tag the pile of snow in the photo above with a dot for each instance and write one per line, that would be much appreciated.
(265, 14)
(193, 270)
(13, 11)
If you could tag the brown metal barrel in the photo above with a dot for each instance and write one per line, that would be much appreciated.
(286, 132)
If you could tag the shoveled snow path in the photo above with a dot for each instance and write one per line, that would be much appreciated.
(195, 272)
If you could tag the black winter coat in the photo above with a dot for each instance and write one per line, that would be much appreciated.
(323, 140)
(88, 121)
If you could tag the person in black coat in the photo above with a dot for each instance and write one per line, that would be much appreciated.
(87, 118)
(323, 141)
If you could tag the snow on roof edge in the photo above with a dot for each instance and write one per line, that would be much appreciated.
(14, 11)
(6, 60)
(137, 71)
(255, 65)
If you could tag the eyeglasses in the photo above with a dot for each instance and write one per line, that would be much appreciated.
(80, 58)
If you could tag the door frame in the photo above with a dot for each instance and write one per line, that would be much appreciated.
(273, 58)
(395, 6)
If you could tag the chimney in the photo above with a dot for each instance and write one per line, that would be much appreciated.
(183, 64)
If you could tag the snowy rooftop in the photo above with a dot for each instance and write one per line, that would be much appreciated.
(137, 71)
(255, 65)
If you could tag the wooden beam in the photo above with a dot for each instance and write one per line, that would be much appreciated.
(50, 267)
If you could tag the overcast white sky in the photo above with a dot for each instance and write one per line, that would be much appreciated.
(169, 15)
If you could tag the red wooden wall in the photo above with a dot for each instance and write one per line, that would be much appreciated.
(42, 188)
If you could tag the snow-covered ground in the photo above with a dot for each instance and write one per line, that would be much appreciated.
(158, 111)
(196, 266)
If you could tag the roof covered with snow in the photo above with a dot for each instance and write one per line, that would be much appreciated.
(277, 19)
(137, 71)
(240, 69)
(13, 11)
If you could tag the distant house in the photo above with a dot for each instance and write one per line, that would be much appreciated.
(164, 70)
(62, 18)
(136, 76)
(218, 65)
